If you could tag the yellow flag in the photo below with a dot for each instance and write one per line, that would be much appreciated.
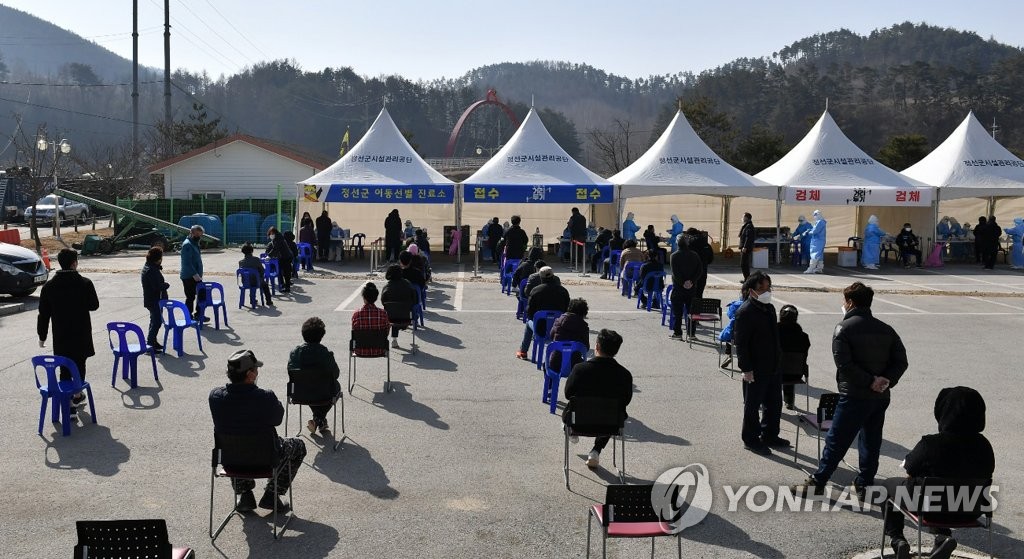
(344, 143)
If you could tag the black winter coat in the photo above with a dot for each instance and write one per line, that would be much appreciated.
(686, 266)
(66, 300)
(399, 291)
(599, 377)
(278, 248)
(864, 347)
(548, 296)
(747, 236)
(516, 242)
(578, 227)
(323, 230)
(756, 337)
(243, 409)
(393, 226)
(154, 288)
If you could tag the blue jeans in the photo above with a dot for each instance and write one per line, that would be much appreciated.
(854, 416)
(527, 337)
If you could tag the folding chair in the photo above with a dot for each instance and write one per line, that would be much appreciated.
(59, 392)
(596, 417)
(936, 511)
(628, 277)
(650, 289)
(126, 539)
(178, 325)
(400, 314)
(542, 322)
(794, 371)
(248, 279)
(820, 420)
(704, 310)
(368, 344)
(312, 388)
(551, 377)
(128, 352)
(628, 512)
(250, 457)
(731, 356)
(508, 269)
(211, 295)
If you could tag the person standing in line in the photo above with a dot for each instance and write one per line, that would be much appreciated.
(392, 235)
(991, 250)
(494, 233)
(980, 233)
(154, 289)
(687, 270)
(323, 236)
(756, 336)
(870, 360)
(192, 268)
(66, 300)
(698, 242)
(747, 235)
(652, 241)
(516, 240)
(278, 248)
(818, 234)
(630, 228)
(578, 233)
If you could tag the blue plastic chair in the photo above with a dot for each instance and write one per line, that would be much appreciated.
(651, 294)
(248, 279)
(606, 252)
(552, 378)
(128, 352)
(523, 299)
(508, 270)
(628, 277)
(666, 307)
(542, 322)
(171, 309)
(272, 273)
(213, 298)
(305, 256)
(613, 264)
(60, 391)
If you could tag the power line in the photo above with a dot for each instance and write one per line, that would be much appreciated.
(219, 113)
(242, 35)
(185, 29)
(41, 84)
(214, 31)
(81, 113)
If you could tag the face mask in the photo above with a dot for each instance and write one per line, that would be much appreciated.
(765, 298)
(907, 229)
(842, 309)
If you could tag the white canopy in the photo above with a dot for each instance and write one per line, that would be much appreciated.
(532, 167)
(375, 167)
(681, 163)
(971, 164)
(827, 169)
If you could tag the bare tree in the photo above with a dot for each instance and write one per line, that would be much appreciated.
(616, 146)
(109, 172)
(47, 159)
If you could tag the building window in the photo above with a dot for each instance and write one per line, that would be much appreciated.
(207, 195)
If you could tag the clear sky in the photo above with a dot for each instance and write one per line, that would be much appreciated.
(446, 38)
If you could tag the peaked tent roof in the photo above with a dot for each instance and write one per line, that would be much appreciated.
(826, 168)
(681, 163)
(382, 157)
(970, 163)
(533, 158)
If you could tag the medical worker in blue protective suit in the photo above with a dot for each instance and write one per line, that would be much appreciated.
(872, 249)
(817, 248)
(674, 231)
(1016, 234)
(805, 240)
(629, 228)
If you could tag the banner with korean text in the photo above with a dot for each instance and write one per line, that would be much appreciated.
(539, 194)
(858, 196)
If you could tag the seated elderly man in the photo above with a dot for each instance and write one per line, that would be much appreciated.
(548, 296)
(318, 362)
(242, 408)
(370, 317)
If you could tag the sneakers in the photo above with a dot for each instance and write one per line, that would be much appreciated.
(777, 442)
(521, 355)
(902, 548)
(758, 448)
(246, 502)
(267, 502)
(311, 426)
(394, 342)
(77, 401)
(675, 336)
(725, 364)
(943, 548)
(593, 459)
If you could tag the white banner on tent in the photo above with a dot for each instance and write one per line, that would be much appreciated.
(858, 196)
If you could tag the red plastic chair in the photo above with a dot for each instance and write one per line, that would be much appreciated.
(627, 512)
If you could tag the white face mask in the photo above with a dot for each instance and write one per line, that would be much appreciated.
(765, 298)
(907, 229)
(842, 309)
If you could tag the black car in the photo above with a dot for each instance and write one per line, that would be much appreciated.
(21, 270)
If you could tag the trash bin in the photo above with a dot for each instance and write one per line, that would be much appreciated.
(760, 259)
(847, 257)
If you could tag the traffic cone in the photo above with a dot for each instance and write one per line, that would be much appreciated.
(46, 259)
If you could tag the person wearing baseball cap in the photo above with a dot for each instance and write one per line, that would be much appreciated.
(242, 408)
(548, 296)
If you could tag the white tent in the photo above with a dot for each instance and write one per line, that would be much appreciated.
(533, 168)
(681, 163)
(827, 169)
(381, 168)
(971, 164)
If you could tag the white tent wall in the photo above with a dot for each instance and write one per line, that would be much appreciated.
(369, 218)
(551, 218)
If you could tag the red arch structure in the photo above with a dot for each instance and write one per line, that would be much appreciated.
(490, 99)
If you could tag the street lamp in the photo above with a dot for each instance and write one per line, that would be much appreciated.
(64, 147)
(490, 151)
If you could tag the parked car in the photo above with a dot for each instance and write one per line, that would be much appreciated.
(21, 270)
(51, 205)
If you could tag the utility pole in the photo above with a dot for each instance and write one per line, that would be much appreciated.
(135, 82)
(167, 76)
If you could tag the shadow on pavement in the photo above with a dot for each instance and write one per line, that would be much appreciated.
(303, 538)
(637, 431)
(90, 447)
(353, 466)
(400, 403)
(185, 366)
(136, 398)
(222, 336)
(717, 531)
(439, 338)
(428, 362)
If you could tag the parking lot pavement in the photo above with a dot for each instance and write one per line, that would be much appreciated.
(462, 459)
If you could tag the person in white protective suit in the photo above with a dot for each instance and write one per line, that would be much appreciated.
(817, 249)
(872, 249)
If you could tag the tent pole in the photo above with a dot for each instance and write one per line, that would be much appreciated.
(458, 222)
(935, 219)
(618, 209)
(991, 205)
(726, 206)
(778, 229)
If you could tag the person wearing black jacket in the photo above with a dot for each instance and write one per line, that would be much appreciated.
(410, 272)
(397, 290)
(604, 237)
(154, 288)
(990, 234)
(253, 263)
(548, 296)
(907, 241)
(516, 240)
(687, 271)
(756, 337)
(979, 239)
(747, 236)
(494, 234)
(392, 235)
(599, 377)
(698, 242)
(278, 248)
(323, 235)
(958, 451)
(653, 264)
(318, 362)
(526, 267)
(242, 408)
(793, 340)
(870, 360)
(578, 233)
(66, 301)
(651, 239)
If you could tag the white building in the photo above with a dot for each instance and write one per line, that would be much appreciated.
(239, 166)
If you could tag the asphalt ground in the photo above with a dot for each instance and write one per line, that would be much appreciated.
(463, 459)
